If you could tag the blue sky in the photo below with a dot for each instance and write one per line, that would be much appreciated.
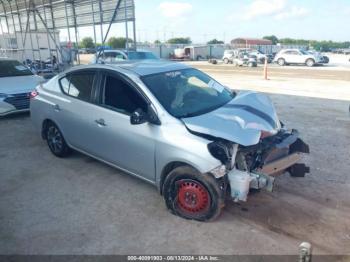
(226, 19)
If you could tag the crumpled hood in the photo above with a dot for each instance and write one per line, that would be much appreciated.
(19, 84)
(240, 121)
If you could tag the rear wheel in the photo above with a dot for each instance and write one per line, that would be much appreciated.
(192, 195)
(281, 62)
(226, 61)
(55, 141)
(310, 62)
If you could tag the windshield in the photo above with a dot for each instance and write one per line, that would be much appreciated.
(188, 92)
(10, 68)
(141, 55)
(304, 52)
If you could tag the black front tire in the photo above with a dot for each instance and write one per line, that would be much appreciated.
(208, 199)
(56, 141)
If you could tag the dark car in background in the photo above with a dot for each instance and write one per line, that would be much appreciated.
(115, 56)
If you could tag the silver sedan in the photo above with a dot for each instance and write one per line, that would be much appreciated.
(170, 125)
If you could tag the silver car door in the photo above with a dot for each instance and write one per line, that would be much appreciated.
(131, 147)
(76, 114)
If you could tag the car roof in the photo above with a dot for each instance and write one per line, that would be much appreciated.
(139, 67)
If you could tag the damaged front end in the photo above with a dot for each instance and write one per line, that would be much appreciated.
(250, 142)
(255, 167)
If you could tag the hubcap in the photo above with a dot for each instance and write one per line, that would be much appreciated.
(192, 197)
(54, 139)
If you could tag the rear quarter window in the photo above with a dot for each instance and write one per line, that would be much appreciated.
(78, 85)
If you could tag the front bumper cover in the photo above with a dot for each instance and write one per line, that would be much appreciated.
(285, 155)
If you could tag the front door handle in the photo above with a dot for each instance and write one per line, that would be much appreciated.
(57, 108)
(100, 122)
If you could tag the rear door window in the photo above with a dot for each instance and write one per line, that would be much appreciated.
(79, 85)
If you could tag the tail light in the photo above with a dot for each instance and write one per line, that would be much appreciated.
(33, 94)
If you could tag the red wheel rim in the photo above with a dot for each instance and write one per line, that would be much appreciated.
(192, 197)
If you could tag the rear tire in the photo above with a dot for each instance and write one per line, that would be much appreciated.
(310, 62)
(281, 62)
(192, 195)
(56, 141)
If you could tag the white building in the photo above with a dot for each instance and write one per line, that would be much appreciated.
(37, 45)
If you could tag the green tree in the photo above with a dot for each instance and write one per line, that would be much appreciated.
(157, 42)
(180, 40)
(87, 42)
(215, 42)
(117, 42)
(272, 38)
(317, 45)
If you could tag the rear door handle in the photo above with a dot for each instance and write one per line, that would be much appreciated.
(100, 122)
(57, 108)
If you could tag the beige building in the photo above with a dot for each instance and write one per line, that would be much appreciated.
(37, 45)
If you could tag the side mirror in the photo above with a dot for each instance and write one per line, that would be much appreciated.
(138, 117)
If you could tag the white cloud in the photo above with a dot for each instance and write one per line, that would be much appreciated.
(264, 8)
(174, 9)
(292, 13)
(277, 9)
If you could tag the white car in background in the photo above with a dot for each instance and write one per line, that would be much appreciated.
(261, 56)
(297, 56)
(16, 84)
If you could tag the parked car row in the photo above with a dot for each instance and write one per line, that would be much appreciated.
(234, 56)
(115, 56)
(250, 57)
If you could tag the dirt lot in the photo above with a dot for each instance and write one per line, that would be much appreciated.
(80, 206)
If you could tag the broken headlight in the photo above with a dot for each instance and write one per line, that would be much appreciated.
(220, 150)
